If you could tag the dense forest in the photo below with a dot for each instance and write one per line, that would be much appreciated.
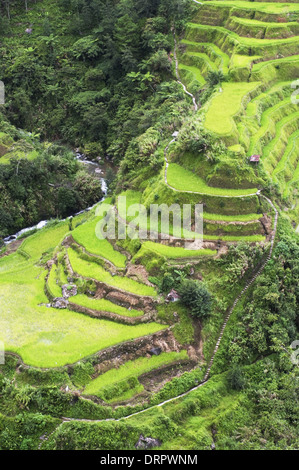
(91, 75)
(92, 72)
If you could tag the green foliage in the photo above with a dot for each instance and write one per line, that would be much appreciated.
(167, 282)
(197, 297)
(194, 137)
(268, 320)
(81, 374)
(25, 183)
(240, 260)
(236, 378)
(23, 431)
(215, 78)
(115, 382)
(84, 55)
(100, 77)
(93, 150)
(142, 153)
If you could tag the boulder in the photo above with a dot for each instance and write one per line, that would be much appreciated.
(147, 442)
(69, 290)
(60, 302)
(155, 351)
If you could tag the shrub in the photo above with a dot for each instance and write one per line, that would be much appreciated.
(196, 297)
(236, 378)
(167, 282)
(215, 77)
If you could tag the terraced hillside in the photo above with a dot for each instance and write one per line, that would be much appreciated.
(98, 279)
(255, 46)
(99, 330)
(84, 306)
(253, 49)
(53, 334)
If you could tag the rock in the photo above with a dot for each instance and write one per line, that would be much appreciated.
(147, 442)
(266, 222)
(60, 302)
(50, 263)
(124, 300)
(69, 290)
(139, 272)
(155, 351)
(173, 296)
(192, 354)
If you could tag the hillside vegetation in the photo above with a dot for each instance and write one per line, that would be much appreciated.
(194, 347)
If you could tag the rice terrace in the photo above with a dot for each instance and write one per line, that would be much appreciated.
(115, 336)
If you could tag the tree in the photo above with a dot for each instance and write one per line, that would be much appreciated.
(236, 378)
(196, 297)
(215, 77)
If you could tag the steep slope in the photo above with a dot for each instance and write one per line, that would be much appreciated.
(103, 337)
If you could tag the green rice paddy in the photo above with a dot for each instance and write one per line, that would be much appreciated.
(184, 180)
(94, 271)
(131, 369)
(104, 305)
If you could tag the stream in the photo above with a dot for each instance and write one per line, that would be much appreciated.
(95, 168)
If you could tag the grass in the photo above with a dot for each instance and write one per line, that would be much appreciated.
(47, 337)
(192, 73)
(127, 204)
(200, 60)
(195, 431)
(268, 119)
(131, 369)
(292, 182)
(63, 278)
(263, 29)
(233, 238)
(260, 65)
(232, 218)
(104, 305)
(268, 98)
(184, 180)
(174, 252)
(52, 284)
(85, 235)
(212, 51)
(94, 271)
(225, 105)
(267, 7)
(44, 241)
(289, 164)
(240, 61)
(271, 152)
(254, 43)
(132, 197)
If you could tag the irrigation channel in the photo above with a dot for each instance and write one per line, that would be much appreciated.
(229, 313)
